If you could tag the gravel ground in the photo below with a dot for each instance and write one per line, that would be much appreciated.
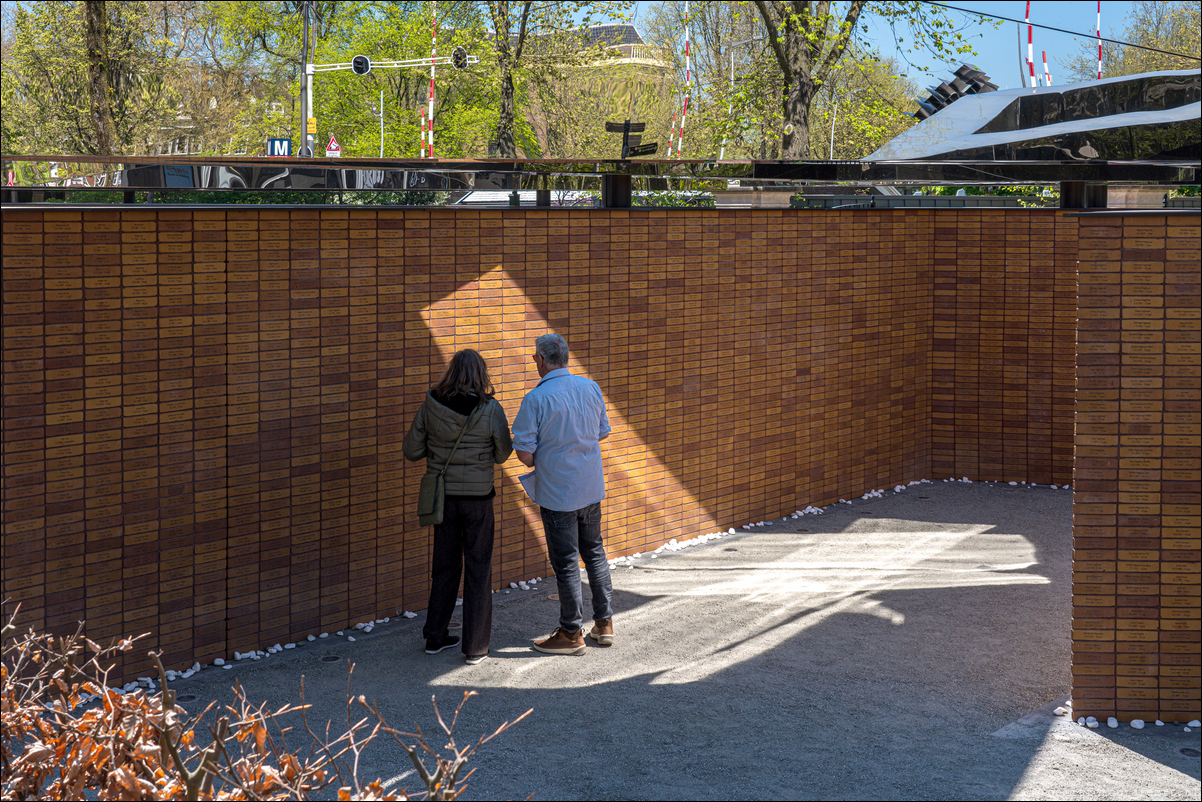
(910, 646)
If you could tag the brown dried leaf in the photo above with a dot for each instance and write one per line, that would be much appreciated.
(290, 765)
(260, 737)
(36, 752)
(147, 750)
(126, 779)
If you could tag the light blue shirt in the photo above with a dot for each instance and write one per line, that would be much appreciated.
(561, 423)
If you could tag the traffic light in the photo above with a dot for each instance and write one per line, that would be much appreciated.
(360, 65)
(459, 58)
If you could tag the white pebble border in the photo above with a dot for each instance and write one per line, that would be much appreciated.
(627, 561)
(1092, 723)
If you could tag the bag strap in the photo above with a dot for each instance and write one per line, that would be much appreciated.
(463, 431)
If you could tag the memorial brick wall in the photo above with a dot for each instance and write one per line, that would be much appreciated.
(1003, 356)
(203, 408)
(1136, 505)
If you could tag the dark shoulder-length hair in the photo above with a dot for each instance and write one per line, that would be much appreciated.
(466, 375)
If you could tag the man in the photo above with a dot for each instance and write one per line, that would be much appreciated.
(558, 432)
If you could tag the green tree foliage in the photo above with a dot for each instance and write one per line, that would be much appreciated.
(533, 43)
(1173, 25)
(174, 86)
(808, 40)
(864, 104)
(47, 75)
(265, 38)
(739, 108)
(735, 108)
(222, 76)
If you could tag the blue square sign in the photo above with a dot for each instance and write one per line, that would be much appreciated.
(279, 147)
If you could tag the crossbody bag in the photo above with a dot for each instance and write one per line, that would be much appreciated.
(431, 498)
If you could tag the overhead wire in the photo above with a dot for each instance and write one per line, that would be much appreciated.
(1062, 30)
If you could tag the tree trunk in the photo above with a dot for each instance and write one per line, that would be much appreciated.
(98, 76)
(504, 138)
(795, 142)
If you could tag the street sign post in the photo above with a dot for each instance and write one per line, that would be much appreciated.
(333, 148)
(279, 147)
(630, 144)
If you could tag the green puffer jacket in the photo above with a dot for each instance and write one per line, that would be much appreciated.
(487, 441)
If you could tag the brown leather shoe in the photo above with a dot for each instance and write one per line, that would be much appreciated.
(562, 642)
(603, 632)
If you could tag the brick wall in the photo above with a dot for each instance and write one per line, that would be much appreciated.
(1002, 362)
(1136, 505)
(204, 408)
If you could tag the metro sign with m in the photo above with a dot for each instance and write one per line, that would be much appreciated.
(279, 147)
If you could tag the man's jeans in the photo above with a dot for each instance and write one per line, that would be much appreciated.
(572, 536)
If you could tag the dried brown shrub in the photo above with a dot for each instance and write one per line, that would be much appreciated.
(142, 745)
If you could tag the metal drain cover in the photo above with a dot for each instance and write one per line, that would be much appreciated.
(1189, 751)
(330, 658)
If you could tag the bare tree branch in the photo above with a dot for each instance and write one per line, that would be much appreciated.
(771, 24)
(517, 56)
(840, 43)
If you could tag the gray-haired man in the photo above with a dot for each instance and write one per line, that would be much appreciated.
(558, 432)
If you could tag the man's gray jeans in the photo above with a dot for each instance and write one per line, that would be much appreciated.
(571, 537)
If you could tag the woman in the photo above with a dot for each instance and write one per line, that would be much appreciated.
(462, 403)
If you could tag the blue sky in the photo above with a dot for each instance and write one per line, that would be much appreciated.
(997, 50)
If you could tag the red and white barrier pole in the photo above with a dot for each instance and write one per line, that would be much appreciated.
(688, 75)
(1047, 76)
(423, 150)
(433, 53)
(1099, 40)
(1031, 45)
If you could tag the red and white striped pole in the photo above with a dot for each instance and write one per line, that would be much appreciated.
(433, 53)
(688, 76)
(1099, 40)
(1047, 76)
(423, 150)
(672, 136)
(1031, 45)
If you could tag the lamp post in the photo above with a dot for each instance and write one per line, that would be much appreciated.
(380, 111)
(835, 116)
(730, 106)
(306, 148)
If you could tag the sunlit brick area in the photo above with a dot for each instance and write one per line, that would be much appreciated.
(203, 408)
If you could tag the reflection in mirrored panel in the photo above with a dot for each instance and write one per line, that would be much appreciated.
(1133, 117)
